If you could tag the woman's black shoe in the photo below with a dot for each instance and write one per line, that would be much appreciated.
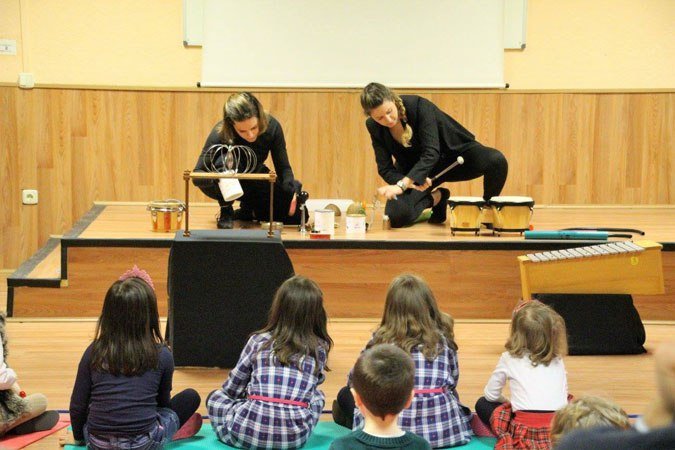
(440, 212)
(226, 218)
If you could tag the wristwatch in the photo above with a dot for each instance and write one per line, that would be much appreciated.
(400, 183)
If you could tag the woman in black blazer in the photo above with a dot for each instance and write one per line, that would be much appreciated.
(413, 141)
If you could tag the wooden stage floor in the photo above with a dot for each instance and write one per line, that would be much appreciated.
(473, 277)
(132, 221)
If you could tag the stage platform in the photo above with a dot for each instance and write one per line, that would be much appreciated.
(473, 277)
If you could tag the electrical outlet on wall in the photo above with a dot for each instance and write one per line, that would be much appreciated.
(26, 80)
(29, 196)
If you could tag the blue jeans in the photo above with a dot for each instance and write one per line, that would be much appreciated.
(160, 435)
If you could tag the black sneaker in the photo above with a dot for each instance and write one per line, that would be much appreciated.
(440, 212)
(226, 218)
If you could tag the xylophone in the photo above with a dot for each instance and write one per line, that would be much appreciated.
(623, 267)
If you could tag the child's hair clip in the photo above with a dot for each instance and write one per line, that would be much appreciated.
(135, 272)
(519, 306)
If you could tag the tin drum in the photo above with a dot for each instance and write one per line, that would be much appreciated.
(465, 213)
(512, 214)
(166, 215)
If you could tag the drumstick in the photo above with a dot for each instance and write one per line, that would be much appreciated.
(459, 161)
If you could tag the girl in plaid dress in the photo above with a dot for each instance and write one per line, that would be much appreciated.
(413, 322)
(534, 368)
(271, 399)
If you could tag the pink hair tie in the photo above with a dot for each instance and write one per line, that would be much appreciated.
(135, 272)
(520, 306)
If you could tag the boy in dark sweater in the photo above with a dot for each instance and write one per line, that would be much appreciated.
(382, 385)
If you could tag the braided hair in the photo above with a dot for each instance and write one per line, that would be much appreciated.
(374, 94)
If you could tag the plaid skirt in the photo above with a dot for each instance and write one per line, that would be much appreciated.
(522, 429)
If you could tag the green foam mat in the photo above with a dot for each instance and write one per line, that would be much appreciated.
(322, 436)
(480, 443)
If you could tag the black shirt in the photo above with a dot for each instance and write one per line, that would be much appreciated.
(437, 141)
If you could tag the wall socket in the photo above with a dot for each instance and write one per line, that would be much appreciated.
(26, 80)
(29, 196)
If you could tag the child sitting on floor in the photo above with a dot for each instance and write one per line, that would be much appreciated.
(587, 412)
(271, 398)
(122, 393)
(20, 413)
(655, 430)
(413, 322)
(382, 385)
(534, 368)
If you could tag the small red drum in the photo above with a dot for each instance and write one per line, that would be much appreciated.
(512, 214)
(465, 213)
(166, 215)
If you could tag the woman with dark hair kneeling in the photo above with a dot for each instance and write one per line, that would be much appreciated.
(414, 141)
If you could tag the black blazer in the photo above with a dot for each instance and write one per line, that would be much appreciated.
(437, 141)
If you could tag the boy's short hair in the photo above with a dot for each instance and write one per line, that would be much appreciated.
(587, 412)
(384, 377)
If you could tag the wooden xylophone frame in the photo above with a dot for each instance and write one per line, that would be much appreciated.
(622, 272)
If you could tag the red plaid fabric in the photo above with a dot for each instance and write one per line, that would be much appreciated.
(530, 431)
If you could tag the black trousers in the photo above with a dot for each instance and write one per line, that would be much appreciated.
(485, 408)
(478, 161)
(256, 198)
(343, 408)
(185, 404)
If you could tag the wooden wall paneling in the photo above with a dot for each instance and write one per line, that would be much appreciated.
(665, 139)
(28, 236)
(658, 156)
(526, 153)
(510, 144)
(77, 146)
(608, 163)
(61, 131)
(9, 176)
(579, 121)
(83, 180)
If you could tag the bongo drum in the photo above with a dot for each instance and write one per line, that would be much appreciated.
(166, 215)
(512, 214)
(465, 213)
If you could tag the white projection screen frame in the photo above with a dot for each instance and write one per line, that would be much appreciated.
(348, 43)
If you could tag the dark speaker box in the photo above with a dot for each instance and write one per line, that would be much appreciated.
(599, 324)
(221, 285)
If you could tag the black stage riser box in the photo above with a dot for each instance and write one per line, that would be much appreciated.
(221, 285)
